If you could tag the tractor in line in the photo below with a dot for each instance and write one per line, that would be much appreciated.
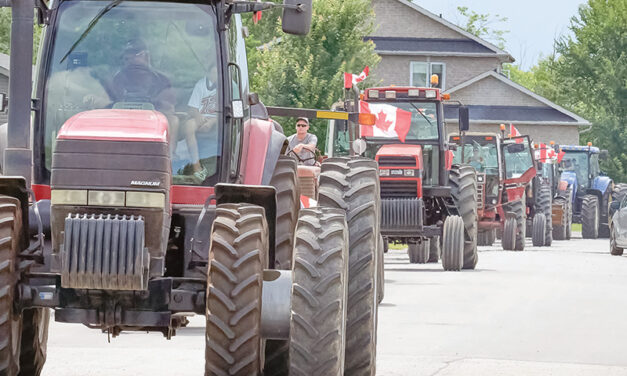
(427, 202)
(154, 186)
(505, 169)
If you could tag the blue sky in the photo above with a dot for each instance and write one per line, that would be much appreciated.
(533, 24)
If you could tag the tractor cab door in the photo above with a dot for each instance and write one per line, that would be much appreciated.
(518, 161)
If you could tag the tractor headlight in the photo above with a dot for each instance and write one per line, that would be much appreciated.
(106, 198)
(68, 197)
(409, 172)
(480, 179)
(145, 199)
(384, 172)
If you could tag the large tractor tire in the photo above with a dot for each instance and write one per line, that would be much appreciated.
(285, 181)
(34, 340)
(569, 218)
(614, 249)
(559, 231)
(508, 239)
(10, 322)
(538, 230)
(486, 237)
(619, 192)
(435, 249)
(517, 208)
(453, 244)
(380, 272)
(463, 182)
(352, 184)
(319, 293)
(590, 217)
(418, 252)
(544, 206)
(237, 257)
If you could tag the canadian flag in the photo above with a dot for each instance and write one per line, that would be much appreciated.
(545, 153)
(513, 131)
(353, 79)
(391, 122)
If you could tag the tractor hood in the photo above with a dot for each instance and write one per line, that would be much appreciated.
(400, 155)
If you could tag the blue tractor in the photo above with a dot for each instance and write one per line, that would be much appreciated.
(592, 190)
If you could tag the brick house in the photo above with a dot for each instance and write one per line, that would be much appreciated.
(414, 44)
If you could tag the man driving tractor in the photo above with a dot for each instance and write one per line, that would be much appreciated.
(303, 143)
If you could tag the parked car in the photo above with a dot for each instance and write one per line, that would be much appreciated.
(618, 226)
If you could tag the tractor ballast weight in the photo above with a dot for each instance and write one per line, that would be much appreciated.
(505, 168)
(113, 231)
(421, 191)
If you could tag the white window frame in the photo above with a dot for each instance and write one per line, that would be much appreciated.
(429, 72)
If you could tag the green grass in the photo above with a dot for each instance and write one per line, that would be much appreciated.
(397, 246)
(576, 227)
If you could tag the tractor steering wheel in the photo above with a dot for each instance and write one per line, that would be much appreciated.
(303, 160)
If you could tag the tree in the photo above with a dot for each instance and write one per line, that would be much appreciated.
(5, 33)
(591, 72)
(308, 71)
(480, 25)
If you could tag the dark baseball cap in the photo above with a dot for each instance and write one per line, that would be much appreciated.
(304, 119)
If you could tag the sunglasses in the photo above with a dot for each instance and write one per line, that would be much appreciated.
(302, 125)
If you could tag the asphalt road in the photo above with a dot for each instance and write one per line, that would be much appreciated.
(545, 311)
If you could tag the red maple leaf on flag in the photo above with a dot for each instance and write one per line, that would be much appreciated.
(382, 121)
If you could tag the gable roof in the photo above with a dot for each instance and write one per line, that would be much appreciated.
(577, 119)
(494, 49)
(432, 46)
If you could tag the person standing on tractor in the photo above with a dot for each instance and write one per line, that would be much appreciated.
(303, 143)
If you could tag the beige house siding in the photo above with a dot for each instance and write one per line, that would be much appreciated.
(495, 93)
(391, 13)
(561, 134)
(395, 70)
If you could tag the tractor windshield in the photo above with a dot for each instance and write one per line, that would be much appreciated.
(577, 162)
(135, 55)
(518, 158)
(480, 152)
(408, 120)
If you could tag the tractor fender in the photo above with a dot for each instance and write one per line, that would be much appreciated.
(261, 147)
(602, 184)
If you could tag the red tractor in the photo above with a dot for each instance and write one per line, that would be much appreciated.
(427, 202)
(154, 186)
(505, 167)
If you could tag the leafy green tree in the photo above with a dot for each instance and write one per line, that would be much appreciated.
(308, 71)
(591, 72)
(481, 25)
(5, 33)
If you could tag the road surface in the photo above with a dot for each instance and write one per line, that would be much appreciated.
(545, 311)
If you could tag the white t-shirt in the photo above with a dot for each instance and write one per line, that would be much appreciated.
(205, 98)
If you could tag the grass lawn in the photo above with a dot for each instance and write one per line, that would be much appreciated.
(576, 227)
(397, 246)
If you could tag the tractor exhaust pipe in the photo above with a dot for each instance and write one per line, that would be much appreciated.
(18, 155)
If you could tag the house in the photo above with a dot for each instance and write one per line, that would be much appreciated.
(4, 82)
(414, 44)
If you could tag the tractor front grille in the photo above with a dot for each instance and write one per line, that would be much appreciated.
(399, 189)
(397, 161)
(481, 181)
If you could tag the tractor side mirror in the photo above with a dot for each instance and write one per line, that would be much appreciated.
(297, 16)
(604, 155)
(4, 102)
(464, 119)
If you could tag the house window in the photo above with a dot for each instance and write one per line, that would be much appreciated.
(421, 73)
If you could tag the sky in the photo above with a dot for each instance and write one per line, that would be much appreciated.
(533, 24)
